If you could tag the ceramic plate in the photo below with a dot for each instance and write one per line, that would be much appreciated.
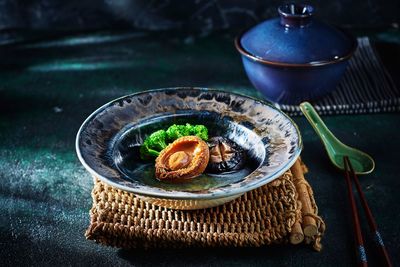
(106, 140)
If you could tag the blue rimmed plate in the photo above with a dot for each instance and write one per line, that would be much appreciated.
(106, 140)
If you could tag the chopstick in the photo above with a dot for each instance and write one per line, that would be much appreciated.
(360, 249)
(370, 218)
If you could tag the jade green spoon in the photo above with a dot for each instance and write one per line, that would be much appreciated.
(361, 162)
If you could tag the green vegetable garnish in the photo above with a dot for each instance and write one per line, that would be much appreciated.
(201, 131)
(153, 144)
(176, 131)
(159, 140)
(147, 153)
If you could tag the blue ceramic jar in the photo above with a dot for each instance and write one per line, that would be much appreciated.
(295, 57)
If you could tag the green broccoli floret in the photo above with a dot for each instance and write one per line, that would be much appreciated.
(189, 128)
(201, 131)
(147, 153)
(176, 131)
(157, 140)
(153, 144)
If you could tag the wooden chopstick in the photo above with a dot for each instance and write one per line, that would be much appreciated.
(360, 249)
(371, 220)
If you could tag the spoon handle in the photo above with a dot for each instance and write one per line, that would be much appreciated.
(319, 126)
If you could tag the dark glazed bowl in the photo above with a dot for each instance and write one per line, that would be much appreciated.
(295, 57)
(106, 143)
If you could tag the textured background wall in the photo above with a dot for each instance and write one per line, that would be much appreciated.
(193, 15)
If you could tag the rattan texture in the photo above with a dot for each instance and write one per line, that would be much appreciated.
(259, 217)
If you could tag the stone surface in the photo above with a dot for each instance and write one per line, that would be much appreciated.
(48, 88)
(199, 15)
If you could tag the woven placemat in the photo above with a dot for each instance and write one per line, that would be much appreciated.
(278, 212)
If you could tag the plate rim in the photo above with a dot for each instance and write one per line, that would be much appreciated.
(208, 196)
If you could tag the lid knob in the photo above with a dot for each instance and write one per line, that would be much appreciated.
(295, 15)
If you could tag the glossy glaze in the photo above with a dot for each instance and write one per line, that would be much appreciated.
(292, 85)
(106, 139)
(295, 57)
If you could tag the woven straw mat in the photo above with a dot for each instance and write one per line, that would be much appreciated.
(262, 216)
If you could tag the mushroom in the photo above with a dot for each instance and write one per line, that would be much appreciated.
(185, 158)
(225, 155)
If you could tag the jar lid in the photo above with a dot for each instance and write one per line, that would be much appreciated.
(296, 38)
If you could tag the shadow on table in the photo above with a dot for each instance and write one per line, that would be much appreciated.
(284, 254)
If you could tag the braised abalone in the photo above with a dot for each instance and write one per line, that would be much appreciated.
(185, 158)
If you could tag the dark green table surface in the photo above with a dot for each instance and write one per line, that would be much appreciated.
(47, 89)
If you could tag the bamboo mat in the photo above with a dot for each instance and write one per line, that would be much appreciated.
(283, 211)
(366, 87)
